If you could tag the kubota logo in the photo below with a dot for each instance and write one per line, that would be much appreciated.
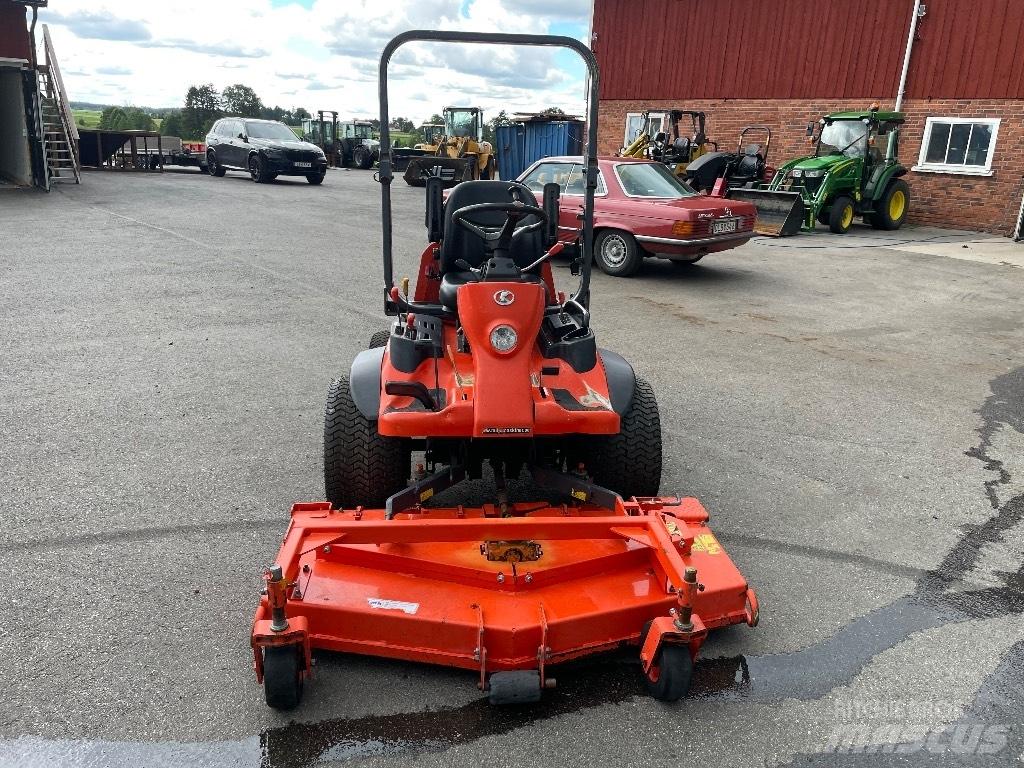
(504, 297)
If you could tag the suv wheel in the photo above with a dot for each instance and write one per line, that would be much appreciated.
(258, 171)
(212, 166)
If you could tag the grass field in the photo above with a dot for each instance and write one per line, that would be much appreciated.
(86, 118)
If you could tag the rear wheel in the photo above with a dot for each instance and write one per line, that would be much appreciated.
(362, 157)
(282, 676)
(361, 466)
(617, 253)
(891, 209)
(840, 215)
(379, 339)
(629, 463)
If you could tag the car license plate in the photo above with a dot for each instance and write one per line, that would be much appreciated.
(303, 165)
(722, 226)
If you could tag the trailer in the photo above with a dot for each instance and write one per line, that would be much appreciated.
(168, 150)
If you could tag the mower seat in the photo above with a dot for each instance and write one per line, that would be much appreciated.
(459, 243)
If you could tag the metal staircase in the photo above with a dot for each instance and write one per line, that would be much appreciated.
(60, 136)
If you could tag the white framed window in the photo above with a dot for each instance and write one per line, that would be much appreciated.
(958, 145)
(635, 124)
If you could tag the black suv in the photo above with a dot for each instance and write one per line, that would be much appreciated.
(265, 148)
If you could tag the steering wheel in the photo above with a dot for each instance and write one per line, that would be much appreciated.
(500, 238)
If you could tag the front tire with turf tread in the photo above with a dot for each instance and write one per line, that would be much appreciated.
(282, 676)
(361, 466)
(629, 463)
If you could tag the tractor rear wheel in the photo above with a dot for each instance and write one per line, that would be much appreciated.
(361, 466)
(362, 157)
(629, 463)
(891, 209)
(379, 339)
(840, 215)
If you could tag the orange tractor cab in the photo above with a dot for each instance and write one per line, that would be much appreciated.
(487, 363)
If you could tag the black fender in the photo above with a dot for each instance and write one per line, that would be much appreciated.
(621, 380)
(364, 381)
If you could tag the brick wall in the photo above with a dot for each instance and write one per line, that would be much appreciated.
(986, 203)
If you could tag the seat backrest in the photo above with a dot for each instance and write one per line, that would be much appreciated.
(459, 243)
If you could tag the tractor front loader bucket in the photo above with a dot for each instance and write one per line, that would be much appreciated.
(451, 170)
(779, 214)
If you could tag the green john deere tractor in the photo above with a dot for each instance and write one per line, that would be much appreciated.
(847, 176)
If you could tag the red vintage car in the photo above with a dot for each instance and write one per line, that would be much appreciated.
(641, 209)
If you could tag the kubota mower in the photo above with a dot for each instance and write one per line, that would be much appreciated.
(488, 363)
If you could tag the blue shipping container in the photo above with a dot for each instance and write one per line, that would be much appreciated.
(521, 144)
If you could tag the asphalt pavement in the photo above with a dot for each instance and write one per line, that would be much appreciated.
(849, 408)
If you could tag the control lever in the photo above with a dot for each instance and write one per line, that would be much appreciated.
(465, 267)
(555, 249)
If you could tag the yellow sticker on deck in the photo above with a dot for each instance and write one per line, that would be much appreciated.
(706, 543)
(426, 494)
(581, 495)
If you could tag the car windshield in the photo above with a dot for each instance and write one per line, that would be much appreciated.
(650, 180)
(277, 131)
(461, 122)
(847, 137)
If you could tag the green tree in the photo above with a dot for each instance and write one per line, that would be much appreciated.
(113, 119)
(171, 126)
(138, 119)
(402, 124)
(241, 100)
(552, 111)
(300, 114)
(202, 108)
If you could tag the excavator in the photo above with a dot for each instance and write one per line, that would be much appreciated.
(461, 154)
(674, 149)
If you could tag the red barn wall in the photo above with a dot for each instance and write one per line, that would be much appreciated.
(785, 63)
(14, 42)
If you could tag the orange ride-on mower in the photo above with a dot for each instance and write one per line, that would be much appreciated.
(488, 363)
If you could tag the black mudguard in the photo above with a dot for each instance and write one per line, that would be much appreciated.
(364, 381)
(621, 380)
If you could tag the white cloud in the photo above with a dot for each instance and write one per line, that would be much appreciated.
(323, 57)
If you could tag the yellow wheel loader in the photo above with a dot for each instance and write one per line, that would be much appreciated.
(461, 154)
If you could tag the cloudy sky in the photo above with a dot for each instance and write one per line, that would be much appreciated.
(318, 54)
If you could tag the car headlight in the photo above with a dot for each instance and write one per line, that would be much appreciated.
(504, 338)
(274, 153)
(797, 173)
(814, 174)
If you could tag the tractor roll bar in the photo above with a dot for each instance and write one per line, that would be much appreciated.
(582, 295)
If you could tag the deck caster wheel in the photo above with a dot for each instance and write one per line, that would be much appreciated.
(669, 678)
(282, 676)
(517, 687)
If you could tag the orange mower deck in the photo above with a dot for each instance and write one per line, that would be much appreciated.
(470, 588)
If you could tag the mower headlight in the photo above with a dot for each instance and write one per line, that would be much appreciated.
(814, 174)
(504, 338)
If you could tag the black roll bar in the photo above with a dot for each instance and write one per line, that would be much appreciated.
(385, 176)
